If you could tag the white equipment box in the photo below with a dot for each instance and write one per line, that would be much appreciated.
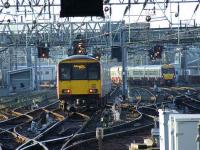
(183, 131)
(163, 127)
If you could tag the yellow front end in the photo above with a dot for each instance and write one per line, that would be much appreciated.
(79, 87)
(79, 80)
(168, 76)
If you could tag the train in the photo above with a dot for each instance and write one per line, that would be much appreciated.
(82, 81)
(145, 74)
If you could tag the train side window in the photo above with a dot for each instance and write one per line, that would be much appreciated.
(64, 72)
(93, 71)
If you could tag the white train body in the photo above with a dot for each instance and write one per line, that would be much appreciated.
(147, 71)
(158, 73)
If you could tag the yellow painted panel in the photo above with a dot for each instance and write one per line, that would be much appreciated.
(168, 76)
(80, 86)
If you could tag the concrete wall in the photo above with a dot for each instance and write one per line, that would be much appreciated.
(4, 92)
(20, 80)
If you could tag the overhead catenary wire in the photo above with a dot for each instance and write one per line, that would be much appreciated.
(194, 13)
(116, 30)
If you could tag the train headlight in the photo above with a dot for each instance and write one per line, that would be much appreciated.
(93, 90)
(66, 91)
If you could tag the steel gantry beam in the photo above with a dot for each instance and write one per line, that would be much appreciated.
(38, 20)
(95, 33)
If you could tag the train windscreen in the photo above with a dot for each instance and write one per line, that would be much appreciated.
(64, 72)
(94, 71)
(168, 70)
(79, 71)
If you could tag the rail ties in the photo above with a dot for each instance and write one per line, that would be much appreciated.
(143, 96)
(65, 128)
(32, 144)
(150, 111)
(82, 140)
(3, 117)
(20, 119)
(125, 128)
(186, 99)
(62, 131)
(13, 122)
(40, 123)
(89, 125)
(9, 140)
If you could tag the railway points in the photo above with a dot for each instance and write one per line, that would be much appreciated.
(137, 118)
(110, 83)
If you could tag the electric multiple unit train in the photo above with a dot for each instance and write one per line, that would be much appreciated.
(145, 74)
(82, 80)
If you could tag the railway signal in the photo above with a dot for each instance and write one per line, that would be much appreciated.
(97, 55)
(151, 54)
(43, 52)
(79, 49)
(158, 51)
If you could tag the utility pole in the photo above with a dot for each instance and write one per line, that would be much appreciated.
(124, 64)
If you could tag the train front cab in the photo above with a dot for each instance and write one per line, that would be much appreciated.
(79, 84)
(168, 75)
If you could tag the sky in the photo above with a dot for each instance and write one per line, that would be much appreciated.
(161, 17)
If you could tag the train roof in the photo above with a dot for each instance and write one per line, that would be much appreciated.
(142, 67)
(79, 57)
(148, 67)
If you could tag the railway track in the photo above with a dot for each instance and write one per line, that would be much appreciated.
(23, 102)
(143, 96)
(63, 131)
(3, 117)
(13, 122)
(9, 140)
(70, 130)
(50, 104)
(127, 128)
(40, 123)
(32, 145)
(67, 127)
(76, 130)
(21, 122)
